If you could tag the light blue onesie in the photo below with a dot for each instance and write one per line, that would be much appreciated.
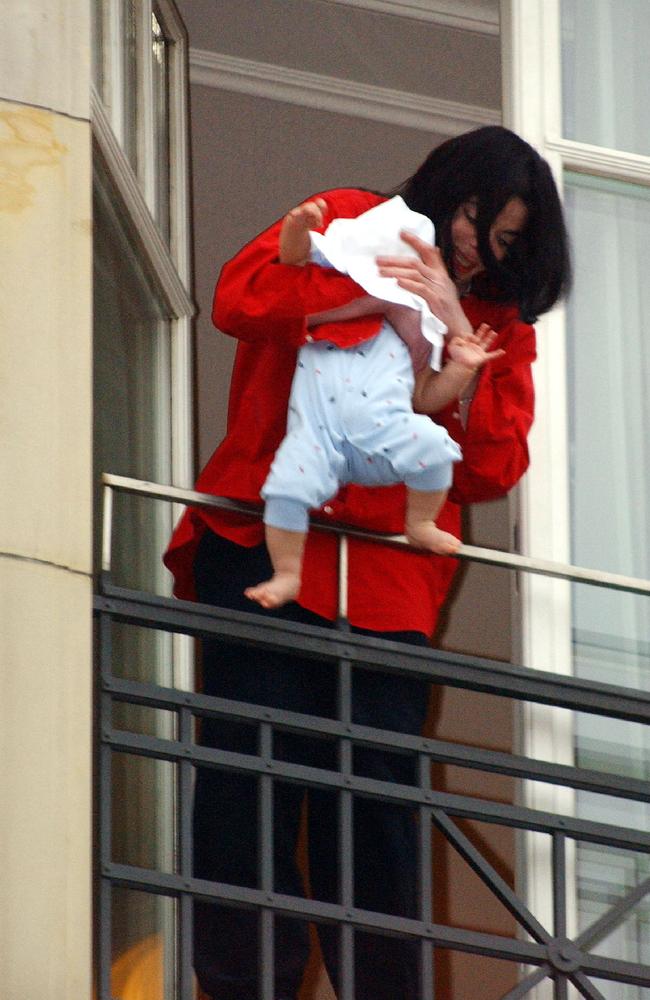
(351, 419)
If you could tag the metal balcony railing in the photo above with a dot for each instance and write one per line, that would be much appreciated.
(548, 950)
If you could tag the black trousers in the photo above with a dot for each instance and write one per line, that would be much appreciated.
(225, 807)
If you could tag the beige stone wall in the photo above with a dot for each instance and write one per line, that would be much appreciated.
(45, 502)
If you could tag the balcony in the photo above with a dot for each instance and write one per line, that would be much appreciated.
(534, 951)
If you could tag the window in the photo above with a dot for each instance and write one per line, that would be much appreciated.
(143, 300)
(579, 96)
(142, 428)
(139, 73)
(605, 73)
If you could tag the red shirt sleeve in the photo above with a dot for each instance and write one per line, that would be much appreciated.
(258, 298)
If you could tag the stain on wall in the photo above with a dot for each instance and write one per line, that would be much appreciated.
(27, 141)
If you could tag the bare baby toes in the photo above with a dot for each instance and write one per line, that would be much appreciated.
(445, 544)
(428, 535)
(275, 592)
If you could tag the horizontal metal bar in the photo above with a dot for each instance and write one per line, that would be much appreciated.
(616, 970)
(164, 883)
(458, 754)
(462, 806)
(452, 938)
(509, 560)
(452, 669)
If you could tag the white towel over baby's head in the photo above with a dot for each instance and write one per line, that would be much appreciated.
(351, 246)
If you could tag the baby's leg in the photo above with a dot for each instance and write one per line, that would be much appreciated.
(286, 550)
(422, 508)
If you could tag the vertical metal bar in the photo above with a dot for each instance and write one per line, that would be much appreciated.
(343, 579)
(107, 529)
(425, 880)
(185, 861)
(559, 884)
(266, 874)
(561, 989)
(105, 943)
(104, 813)
(560, 982)
(345, 804)
(345, 835)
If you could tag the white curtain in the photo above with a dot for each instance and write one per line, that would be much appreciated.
(609, 392)
(605, 79)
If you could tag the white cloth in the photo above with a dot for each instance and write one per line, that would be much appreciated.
(351, 246)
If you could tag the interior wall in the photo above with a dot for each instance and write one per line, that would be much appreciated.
(254, 158)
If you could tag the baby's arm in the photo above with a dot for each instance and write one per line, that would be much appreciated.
(467, 355)
(294, 244)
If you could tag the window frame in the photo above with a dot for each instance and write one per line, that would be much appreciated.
(532, 106)
(168, 262)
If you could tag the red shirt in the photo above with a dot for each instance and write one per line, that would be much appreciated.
(264, 304)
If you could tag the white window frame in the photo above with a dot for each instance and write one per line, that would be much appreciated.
(169, 263)
(532, 107)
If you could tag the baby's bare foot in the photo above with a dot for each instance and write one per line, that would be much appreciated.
(427, 535)
(273, 593)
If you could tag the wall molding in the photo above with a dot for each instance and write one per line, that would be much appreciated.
(617, 164)
(467, 15)
(330, 93)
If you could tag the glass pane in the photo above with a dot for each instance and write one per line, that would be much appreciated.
(143, 834)
(606, 73)
(135, 656)
(97, 15)
(143, 946)
(132, 433)
(142, 719)
(609, 393)
(160, 57)
(132, 394)
(131, 81)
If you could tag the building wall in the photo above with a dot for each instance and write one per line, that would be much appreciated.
(45, 509)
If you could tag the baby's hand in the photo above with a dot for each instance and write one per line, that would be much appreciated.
(294, 235)
(473, 351)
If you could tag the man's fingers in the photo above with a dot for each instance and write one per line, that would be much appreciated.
(400, 269)
(428, 254)
(386, 264)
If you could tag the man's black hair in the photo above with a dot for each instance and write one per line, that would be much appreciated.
(493, 165)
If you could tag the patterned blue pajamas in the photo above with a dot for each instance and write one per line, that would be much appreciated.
(351, 420)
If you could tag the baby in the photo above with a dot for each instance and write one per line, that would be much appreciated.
(361, 414)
